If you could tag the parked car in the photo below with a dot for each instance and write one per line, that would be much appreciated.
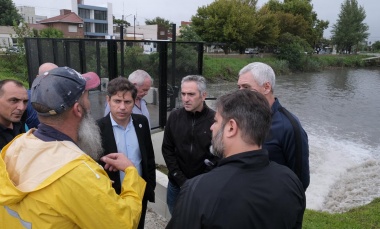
(12, 49)
(251, 51)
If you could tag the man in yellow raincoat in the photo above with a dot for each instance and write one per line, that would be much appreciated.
(49, 178)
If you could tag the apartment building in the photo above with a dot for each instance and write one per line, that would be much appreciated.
(98, 21)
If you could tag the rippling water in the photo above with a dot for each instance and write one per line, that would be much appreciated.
(339, 110)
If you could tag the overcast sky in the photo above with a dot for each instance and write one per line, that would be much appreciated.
(182, 10)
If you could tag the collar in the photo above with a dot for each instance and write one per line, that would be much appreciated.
(275, 106)
(255, 158)
(16, 126)
(114, 123)
(47, 133)
(198, 113)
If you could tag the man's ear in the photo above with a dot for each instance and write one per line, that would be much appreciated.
(78, 110)
(267, 87)
(204, 95)
(231, 128)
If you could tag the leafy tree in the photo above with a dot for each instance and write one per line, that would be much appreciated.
(293, 49)
(51, 33)
(188, 34)
(268, 28)
(227, 22)
(120, 22)
(298, 18)
(376, 46)
(8, 13)
(349, 29)
(22, 31)
(318, 40)
(159, 21)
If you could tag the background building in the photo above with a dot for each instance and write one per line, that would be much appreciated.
(98, 21)
(68, 22)
(28, 13)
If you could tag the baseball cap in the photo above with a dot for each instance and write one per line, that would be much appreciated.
(60, 88)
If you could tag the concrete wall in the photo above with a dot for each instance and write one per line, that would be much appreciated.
(160, 206)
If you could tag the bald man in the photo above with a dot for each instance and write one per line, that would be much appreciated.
(30, 116)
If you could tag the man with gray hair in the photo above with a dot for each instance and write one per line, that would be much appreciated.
(49, 177)
(246, 189)
(287, 142)
(187, 137)
(142, 81)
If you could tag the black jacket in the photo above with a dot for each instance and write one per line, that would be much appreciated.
(246, 190)
(140, 122)
(186, 143)
(7, 135)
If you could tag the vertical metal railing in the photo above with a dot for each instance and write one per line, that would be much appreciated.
(78, 53)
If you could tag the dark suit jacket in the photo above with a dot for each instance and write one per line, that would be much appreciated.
(140, 122)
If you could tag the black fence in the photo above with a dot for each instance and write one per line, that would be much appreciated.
(167, 62)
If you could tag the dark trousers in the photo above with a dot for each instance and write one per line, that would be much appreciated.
(143, 213)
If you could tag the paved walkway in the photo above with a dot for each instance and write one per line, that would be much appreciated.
(154, 221)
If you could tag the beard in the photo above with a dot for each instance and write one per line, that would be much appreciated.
(89, 139)
(217, 147)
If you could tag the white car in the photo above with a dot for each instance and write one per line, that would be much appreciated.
(251, 51)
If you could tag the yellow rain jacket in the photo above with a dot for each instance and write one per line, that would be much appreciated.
(56, 185)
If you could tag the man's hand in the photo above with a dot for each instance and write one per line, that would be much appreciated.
(116, 161)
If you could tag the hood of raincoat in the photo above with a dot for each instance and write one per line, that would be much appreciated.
(29, 164)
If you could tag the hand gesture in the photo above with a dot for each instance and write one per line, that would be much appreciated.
(116, 161)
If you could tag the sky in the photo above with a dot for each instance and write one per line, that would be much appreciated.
(181, 10)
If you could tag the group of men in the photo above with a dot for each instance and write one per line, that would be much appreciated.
(221, 163)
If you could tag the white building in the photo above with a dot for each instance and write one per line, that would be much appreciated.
(28, 13)
(98, 21)
(6, 37)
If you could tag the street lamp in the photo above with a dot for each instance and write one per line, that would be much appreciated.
(134, 27)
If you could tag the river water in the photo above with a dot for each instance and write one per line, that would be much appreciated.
(339, 109)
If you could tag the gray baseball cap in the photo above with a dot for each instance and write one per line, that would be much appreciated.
(60, 88)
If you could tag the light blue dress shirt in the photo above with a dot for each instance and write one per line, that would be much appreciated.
(128, 144)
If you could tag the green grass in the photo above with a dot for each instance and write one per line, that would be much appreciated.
(226, 67)
(367, 216)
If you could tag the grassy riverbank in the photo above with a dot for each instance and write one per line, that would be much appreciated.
(226, 67)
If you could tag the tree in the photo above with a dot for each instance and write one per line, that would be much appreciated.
(22, 31)
(188, 34)
(159, 21)
(298, 18)
(376, 46)
(51, 33)
(228, 23)
(293, 49)
(349, 28)
(120, 22)
(9, 13)
(268, 28)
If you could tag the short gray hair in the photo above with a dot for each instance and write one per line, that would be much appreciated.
(137, 77)
(261, 73)
(199, 80)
